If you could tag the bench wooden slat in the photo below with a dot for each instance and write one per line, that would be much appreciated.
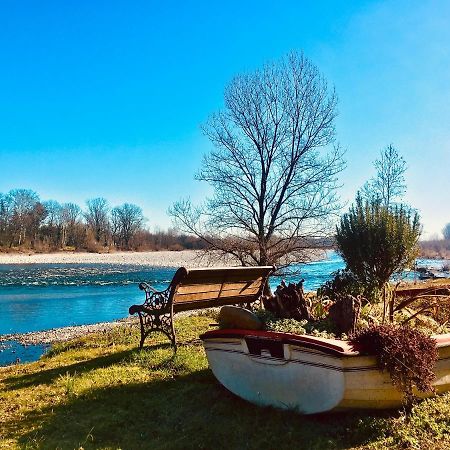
(235, 278)
(217, 271)
(235, 293)
(200, 304)
(202, 287)
(227, 274)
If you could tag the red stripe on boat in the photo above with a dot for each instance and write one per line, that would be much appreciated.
(288, 338)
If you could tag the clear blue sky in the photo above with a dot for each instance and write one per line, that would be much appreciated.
(106, 98)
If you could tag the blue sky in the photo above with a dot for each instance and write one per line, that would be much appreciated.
(106, 98)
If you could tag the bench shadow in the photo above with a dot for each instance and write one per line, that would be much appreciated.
(191, 411)
(48, 376)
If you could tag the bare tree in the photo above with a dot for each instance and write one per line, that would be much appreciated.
(97, 218)
(53, 227)
(126, 221)
(34, 222)
(446, 232)
(70, 215)
(6, 206)
(53, 210)
(274, 183)
(389, 182)
(24, 214)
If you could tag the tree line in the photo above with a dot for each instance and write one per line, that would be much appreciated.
(437, 248)
(26, 222)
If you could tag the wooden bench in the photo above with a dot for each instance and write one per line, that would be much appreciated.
(192, 289)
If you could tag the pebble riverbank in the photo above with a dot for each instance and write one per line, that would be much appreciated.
(188, 258)
(65, 333)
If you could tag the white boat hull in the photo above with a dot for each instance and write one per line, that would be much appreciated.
(305, 374)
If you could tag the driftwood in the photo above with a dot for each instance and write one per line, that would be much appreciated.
(344, 313)
(289, 302)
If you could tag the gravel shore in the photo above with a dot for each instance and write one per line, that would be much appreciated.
(188, 258)
(65, 333)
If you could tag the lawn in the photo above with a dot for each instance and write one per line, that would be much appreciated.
(101, 392)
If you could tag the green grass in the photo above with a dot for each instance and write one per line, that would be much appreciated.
(101, 392)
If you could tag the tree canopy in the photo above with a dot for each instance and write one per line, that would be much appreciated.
(274, 184)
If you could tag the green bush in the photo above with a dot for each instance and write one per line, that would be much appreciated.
(344, 282)
(377, 241)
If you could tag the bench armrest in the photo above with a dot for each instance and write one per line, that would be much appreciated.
(146, 287)
(156, 302)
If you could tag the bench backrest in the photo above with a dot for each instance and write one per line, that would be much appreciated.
(206, 288)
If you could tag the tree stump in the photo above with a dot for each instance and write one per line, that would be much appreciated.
(344, 313)
(289, 302)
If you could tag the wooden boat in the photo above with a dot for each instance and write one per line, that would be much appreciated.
(305, 373)
(438, 286)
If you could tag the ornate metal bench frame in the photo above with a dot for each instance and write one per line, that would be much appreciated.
(156, 313)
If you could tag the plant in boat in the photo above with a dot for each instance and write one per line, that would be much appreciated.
(406, 353)
(343, 282)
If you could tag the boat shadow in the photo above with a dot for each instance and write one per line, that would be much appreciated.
(187, 411)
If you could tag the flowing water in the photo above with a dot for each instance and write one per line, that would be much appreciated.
(35, 297)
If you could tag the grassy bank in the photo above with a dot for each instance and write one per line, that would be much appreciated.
(101, 392)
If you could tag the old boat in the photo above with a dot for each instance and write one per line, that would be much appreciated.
(304, 373)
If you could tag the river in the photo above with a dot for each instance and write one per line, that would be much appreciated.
(35, 297)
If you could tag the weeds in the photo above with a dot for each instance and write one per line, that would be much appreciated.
(407, 354)
(68, 382)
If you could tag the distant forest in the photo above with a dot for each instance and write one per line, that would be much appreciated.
(435, 248)
(27, 223)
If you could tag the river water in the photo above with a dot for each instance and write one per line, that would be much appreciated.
(35, 297)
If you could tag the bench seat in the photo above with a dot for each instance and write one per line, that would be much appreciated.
(192, 289)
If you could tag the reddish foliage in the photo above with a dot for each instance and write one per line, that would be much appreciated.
(406, 353)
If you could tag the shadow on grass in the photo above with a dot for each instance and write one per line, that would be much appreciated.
(50, 375)
(191, 411)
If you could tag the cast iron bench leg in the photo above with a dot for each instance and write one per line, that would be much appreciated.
(157, 322)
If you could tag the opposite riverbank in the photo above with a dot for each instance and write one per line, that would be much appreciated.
(189, 258)
(165, 258)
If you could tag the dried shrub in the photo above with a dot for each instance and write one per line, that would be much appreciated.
(437, 248)
(406, 353)
(91, 245)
